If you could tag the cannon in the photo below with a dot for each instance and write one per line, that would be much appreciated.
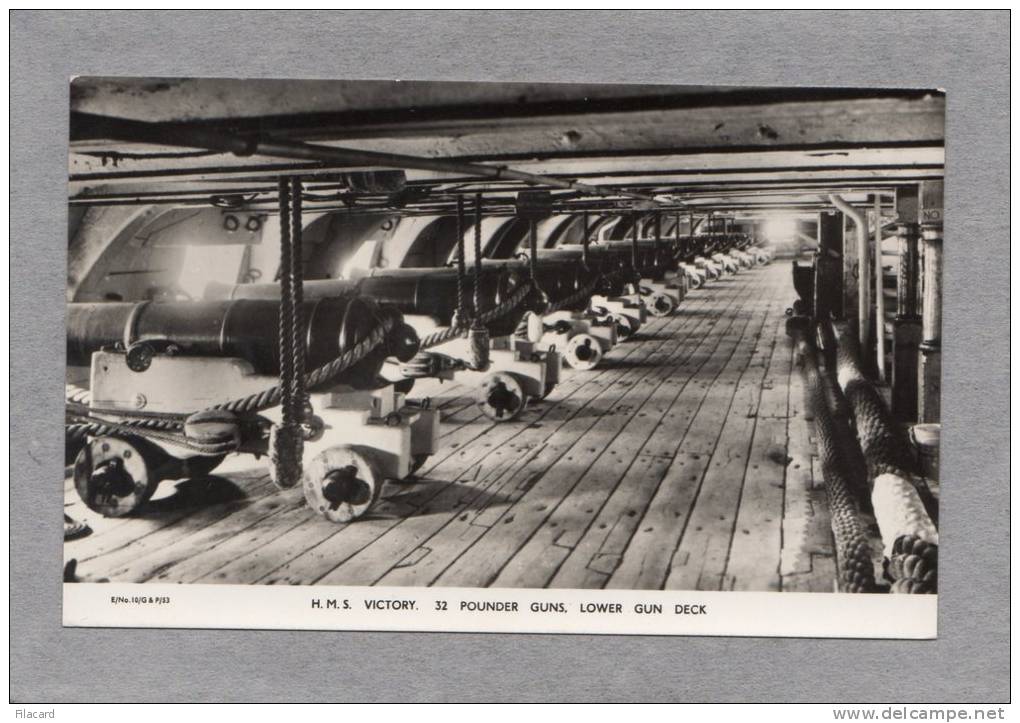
(430, 293)
(728, 263)
(619, 301)
(567, 326)
(662, 285)
(515, 370)
(176, 386)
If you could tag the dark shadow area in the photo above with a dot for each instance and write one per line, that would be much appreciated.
(191, 493)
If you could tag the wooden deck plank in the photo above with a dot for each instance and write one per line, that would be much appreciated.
(808, 557)
(171, 513)
(310, 550)
(582, 471)
(645, 559)
(699, 562)
(756, 546)
(554, 435)
(553, 543)
(663, 468)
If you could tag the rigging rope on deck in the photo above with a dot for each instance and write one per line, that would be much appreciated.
(904, 505)
(853, 548)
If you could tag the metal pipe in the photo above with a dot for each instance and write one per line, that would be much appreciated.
(90, 127)
(879, 294)
(863, 285)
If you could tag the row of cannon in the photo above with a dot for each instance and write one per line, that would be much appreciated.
(176, 386)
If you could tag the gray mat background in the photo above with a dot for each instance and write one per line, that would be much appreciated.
(967, 54)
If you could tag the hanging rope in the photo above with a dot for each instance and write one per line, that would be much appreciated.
(297, 291)
(497, 312)
(478, 336)
(327, 372)
(460, 315)
(577, 296)
(286, 442)
(290, 393)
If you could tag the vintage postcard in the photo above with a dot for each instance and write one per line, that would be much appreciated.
(507, 357)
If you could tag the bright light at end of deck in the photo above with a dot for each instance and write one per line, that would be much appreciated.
(780, 228)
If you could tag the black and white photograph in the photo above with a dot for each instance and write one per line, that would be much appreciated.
(399, 354)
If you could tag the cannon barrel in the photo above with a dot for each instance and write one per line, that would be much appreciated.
(557, 277)
(613, 263)
(653, 260)
(604, 259)
(428, 292)
(243, 328)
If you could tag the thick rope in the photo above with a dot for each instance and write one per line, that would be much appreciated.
(461, 313)
(168, 430)
(853, 549)
(297, 290)
(265, 399)
(314, 379)
(286, 317)
(478, 335)
(77, 395)
(884, 444)
(578, 295)
(478, 257)
(533, 250)
(500, 310)
(81, 427)
(286, 442)
(904, 506)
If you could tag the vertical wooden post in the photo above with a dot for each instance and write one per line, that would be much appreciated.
(828, 267)
(930, 373)
(907, 325)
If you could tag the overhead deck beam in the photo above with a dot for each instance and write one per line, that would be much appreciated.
(111, 162)
(486, 124)
(87, 127)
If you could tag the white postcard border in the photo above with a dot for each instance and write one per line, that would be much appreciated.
(567, 611)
